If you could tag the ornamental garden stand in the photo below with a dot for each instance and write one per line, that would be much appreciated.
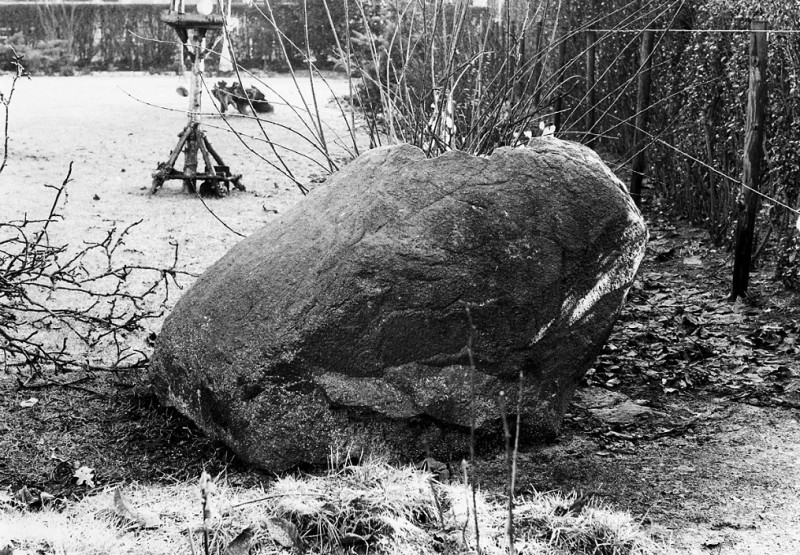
(192, 29)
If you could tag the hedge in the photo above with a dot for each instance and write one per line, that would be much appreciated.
(58, 38)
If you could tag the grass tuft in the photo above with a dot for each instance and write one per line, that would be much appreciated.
(372, 507)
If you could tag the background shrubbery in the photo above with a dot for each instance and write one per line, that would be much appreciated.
(58, 38)
(705, 119)
(447, 77)
(444, 75)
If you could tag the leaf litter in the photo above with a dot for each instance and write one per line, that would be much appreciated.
(678, 330)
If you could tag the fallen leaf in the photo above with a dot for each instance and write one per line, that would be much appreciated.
(84, 475)
(575, 508)
(25, 496)
(30, 499)
(282, 532)
(437, 468)
(663, 255)
(353, 541)
(429, 464)
(138, 518)
(240, 545)
(713, 541)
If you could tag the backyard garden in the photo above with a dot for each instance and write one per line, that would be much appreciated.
(683, 436)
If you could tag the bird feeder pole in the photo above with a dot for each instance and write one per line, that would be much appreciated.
(192, 29)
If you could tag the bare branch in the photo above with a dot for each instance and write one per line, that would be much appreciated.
(64, 311)
(5, 99)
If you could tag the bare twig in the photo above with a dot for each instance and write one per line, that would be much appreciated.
(509, 472)
(472, 429)
(5, 99)
(55, 303)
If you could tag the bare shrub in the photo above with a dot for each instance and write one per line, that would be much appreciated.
(67, 307)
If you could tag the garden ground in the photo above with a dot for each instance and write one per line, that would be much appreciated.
(712, 455)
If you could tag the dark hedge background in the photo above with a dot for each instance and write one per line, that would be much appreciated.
(61, 39)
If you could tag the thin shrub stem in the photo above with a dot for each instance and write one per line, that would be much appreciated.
(472, 396)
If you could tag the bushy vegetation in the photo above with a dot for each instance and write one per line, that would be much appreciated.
(62, 305)
(49, 57)
(443, 76)
(61, 39)
(705, 119)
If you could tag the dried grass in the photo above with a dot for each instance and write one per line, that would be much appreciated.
(372, 506)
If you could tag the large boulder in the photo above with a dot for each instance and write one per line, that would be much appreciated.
(343, 325)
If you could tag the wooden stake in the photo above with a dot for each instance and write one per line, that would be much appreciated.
(182, 138)
(591, 93)
(206, 156)
(642, 112)
(190, 163)
(236, 179)
(754, 163)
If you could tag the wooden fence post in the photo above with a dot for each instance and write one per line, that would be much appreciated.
(642, 112)
(591, 94)
(754, 163)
